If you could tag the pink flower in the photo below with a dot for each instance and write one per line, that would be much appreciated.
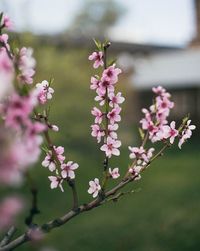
(135, 171)
(97, 132)
(115, 100)
(26, 65)
(98, 114)
(6, 22)
(94, 187)
(6, 73)
(105, 85)
(170, 132)
(136, 152)
(55, 128)
(142, 156)
(160, 91)
(111, 73)
(100, 97)
(49, 160)
(98, 59)
(55, 182)
(186, 133)
(68, 170)
(114, 116)
(114, 173)
(112, 130)
(10, 207)
(4, 40)
(44, 91)
(111, 147)
(94, 83)
(17, 111)
(163, 103)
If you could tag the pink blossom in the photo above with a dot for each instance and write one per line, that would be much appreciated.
(55, 182)
(55, 128)
(4, 41)
(6, 22)
(26, 65)
(94, 83)
(136, 152)
(98, 115)
(17, 111)
(94, 187)
(6, 73)
(44, 91)
(159, 90)
(115, 100)
(111, 73)
(111, 147)
(97, 132)
(170, 132)
(114, 173)
(10, 207)
(186, 133)
(163, 103)
(98, 59)
(135, 171)
(105, 85)
(112, 130)
(114, 116)
(101, 97)
(49, 160)
(68, 170)
(142, 156)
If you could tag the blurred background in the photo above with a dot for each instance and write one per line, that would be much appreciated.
(156, 42)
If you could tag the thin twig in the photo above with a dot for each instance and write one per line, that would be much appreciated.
(8, 236)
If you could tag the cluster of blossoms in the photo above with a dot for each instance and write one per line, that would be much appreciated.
(54, 161)
(16, 110)
(155, 121)
(141, 159)
(107, 115)
(106, 121)
(20, 130)
(156, 126)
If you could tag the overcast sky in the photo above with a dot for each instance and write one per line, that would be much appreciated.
(147, 21)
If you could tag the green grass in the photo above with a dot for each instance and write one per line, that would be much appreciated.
(162, 216)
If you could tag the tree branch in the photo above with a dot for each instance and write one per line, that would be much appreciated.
(65, 218)
(8, 236)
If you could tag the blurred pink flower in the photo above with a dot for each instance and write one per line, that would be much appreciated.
(10, 207)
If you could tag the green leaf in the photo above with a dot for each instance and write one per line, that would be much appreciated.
(112, 62)
(1, 16)
(141, 132)
(98, 44)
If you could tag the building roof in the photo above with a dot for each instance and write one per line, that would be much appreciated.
(174, 69)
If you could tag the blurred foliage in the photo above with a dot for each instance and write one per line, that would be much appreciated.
(96, 17)
(163, 216)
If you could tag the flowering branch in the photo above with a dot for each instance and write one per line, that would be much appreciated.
(22, 127)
